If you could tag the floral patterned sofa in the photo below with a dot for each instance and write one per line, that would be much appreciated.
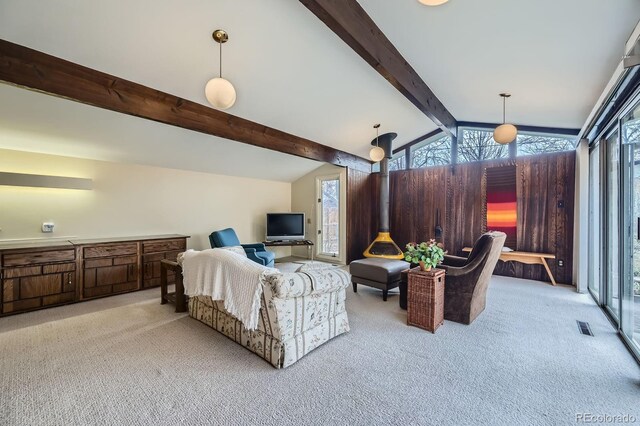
(299, 312)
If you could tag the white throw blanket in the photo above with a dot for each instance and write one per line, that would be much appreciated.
(224, 275)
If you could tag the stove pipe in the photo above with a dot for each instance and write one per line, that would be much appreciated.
(383, 246)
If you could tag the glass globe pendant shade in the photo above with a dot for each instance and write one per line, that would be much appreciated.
(505, 133)
(376, 154)
(220, 93)
(433, 2)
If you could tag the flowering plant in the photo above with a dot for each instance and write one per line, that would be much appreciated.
(429, 253)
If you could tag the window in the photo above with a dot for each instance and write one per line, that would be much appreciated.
(536, 143)
(398, 162)
(478, 145)
(432, 152)
(329, 216)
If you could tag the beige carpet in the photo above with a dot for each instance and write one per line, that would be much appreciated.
(127, 360)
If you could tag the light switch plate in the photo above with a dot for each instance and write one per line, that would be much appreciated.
(47, 227)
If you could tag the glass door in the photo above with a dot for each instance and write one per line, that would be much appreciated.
(612, 220)
(328, 190)
(595, 226)
(630, 288)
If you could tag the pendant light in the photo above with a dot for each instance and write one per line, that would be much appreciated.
(220, 92)
(433, 2)
(505, 133)
(376, 154)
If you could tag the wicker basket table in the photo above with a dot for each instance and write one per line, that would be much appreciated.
(425, 299)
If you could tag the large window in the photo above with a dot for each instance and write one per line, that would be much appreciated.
(614, 215)
(478, 145)
(432, 152)
(538, 143)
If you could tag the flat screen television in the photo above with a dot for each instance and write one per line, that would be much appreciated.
(285, 226)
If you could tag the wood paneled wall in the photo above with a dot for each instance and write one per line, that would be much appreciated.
(545, 190)
(361, 221)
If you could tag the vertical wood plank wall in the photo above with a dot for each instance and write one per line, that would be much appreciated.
(545, 190)
(360, 218)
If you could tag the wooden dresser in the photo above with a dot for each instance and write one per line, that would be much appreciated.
(36, 275)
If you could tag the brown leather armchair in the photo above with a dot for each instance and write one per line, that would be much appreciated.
(468, 278)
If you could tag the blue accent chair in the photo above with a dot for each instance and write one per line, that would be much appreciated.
(256, 252)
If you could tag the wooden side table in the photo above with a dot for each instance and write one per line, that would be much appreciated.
(526, 257)
(178, 297)
(425, 299)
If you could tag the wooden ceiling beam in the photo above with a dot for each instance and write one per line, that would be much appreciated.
(355, 27)
(38, 71)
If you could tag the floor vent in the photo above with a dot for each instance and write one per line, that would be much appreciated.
(584, 328)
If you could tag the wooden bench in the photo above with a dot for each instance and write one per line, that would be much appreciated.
(526, 257)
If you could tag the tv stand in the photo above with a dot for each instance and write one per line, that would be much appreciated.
(291, 243)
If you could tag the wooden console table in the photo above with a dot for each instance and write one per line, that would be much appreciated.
(526, 257)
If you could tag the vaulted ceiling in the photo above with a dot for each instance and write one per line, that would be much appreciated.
(294, 74)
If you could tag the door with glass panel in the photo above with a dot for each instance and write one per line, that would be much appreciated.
(613, 228)
(630, 286)
(595, 224)
(328, 190)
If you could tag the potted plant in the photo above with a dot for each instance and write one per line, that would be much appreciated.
(426, 254)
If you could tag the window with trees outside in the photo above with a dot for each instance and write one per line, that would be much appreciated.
(398, 161)
(329, 216)
(538, 143)
(478, 145)
(435, 151)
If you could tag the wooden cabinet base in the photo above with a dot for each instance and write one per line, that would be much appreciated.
(41, 275)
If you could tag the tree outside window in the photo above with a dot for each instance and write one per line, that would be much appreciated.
(398, 162)
(532, 144)
(434, 152)
(478, 145)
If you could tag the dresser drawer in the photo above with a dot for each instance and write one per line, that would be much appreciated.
(163, 245)
(33, 258)
(109, 250)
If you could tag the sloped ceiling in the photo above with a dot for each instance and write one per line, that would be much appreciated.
(292, 73)
(554, 57)
(34, 122)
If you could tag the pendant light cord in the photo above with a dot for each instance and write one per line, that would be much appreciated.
(220, 59)
(504, 109)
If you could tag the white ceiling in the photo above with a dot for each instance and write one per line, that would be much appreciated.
(292, 73)
(34, 122)
(554, 56)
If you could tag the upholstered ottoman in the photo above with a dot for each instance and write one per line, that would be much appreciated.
(378, 273)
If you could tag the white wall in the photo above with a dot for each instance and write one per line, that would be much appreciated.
(133, 200)
(304, 199)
